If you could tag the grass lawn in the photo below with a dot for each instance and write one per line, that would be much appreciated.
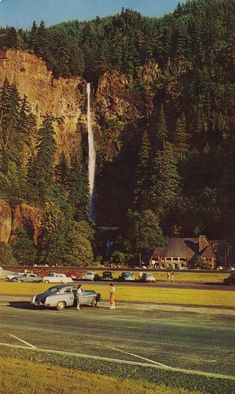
(30, 378)
(180, 276)
(177, 296)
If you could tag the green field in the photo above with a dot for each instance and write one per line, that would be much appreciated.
(175, 296)
(63, 380)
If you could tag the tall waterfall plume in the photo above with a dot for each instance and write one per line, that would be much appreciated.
(91, 144)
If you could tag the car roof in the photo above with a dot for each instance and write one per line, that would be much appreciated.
(63, 286)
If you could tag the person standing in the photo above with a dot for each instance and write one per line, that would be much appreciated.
(78, 297)
(112, 296)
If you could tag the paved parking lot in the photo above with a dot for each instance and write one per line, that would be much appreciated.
(199, 339)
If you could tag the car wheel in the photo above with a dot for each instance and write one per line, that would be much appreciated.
(60, 306)
(94, 302)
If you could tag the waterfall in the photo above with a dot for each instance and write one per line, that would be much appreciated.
(91, 146)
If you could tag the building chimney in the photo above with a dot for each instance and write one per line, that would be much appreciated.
(203, 243)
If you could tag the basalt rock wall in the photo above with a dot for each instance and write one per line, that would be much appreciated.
(62, 98)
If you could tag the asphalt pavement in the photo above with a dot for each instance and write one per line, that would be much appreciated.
(181, 337)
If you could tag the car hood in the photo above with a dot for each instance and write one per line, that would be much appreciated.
(42, 296)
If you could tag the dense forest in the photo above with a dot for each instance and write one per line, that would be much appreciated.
(170, 171)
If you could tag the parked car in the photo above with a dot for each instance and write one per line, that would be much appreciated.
(26, 278)
(147, 277)
(107, 275)
(88, 276)
(230, 280)
(53, 277)
(126, 276)
(13, 275)
(63, 296)
(75, 275)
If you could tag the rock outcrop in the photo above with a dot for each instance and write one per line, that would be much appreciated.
(117, 98)
(26, 215)
(61, 97)
(5, 221)
(23, 215)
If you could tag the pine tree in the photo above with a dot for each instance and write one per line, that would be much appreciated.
(181, 137)
(41, 168)
(79, 188)
(10, 138)
(33, 36)
(162, 131)
(165, 180)
(143, 173)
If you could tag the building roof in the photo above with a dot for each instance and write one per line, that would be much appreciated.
(188, 248)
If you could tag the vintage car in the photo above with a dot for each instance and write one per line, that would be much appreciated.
(27, 277)
(106, 275)
(147, 277)
(230, 280)
(126, 276)
(53, 277)
(88, 276)
(62, 296)
(9, 277)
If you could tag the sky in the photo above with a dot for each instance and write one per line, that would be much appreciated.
(21, 13)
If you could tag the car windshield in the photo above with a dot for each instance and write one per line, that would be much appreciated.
(54, 289)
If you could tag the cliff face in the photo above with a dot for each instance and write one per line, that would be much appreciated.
(116, 97)
(5, 221)
(22, 215)
(61, 97)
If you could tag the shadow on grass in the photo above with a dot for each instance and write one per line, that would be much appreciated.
(28, 305)
(23, 305)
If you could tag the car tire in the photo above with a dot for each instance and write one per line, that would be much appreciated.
(94, 302)
(60, 306)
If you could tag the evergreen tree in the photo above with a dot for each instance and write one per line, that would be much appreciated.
(10, 139)
(79, 188)
(142, 174)
(181, 137)
(23, 248)
(41, 168)
(144, 231)
(165, 180)
(162, 131)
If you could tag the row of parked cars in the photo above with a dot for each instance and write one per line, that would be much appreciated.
(53, 277)
(71, 276)
(124, 277)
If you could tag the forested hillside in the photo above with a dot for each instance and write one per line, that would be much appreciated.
(163, 104)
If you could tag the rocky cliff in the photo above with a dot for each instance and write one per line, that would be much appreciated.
(11, 220)
(61, 97)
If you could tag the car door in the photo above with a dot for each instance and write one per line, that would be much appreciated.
(69, 296)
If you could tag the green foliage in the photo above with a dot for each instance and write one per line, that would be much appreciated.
(6, 255)
(118, 257)
(199, 263)
(23, 247)
(78, 185)
(142, 173)
(162, 131)
(41, 167)
(144, 231)
(62, 240)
